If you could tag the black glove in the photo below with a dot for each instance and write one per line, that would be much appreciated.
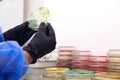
(20, 33)
(42, 43)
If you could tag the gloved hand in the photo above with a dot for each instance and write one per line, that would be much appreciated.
(42, 43)
(20, 33)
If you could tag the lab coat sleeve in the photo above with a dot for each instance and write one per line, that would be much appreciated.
(13, 63)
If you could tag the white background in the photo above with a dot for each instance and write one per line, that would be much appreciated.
(30, 6)
(87, 24)
(11, 13)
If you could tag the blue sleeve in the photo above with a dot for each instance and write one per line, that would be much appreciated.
(13, 63)
(1, 35)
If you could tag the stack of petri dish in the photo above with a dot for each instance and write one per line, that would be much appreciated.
(114, 63)
(81, 75)
(98, 63)
(65, 56)
(80, 59)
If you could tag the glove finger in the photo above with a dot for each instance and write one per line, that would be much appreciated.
(42, 28)
(50, 31)
(25, 24)
(22, 26)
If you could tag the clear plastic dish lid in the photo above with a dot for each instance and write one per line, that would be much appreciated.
(42, 14)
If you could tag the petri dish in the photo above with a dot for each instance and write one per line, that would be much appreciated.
(41, 14)
(81, 75)
(54, 73)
